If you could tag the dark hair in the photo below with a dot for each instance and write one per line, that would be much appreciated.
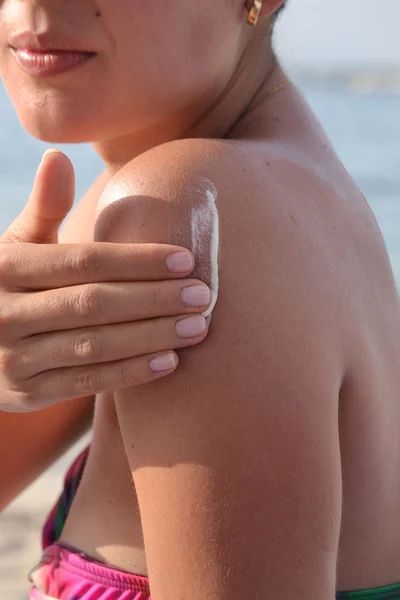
(280, 9)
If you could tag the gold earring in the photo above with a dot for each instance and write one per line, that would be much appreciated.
(254, 13)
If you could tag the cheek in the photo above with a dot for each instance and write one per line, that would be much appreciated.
(172, 48)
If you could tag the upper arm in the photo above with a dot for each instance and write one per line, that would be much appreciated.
(235, 457)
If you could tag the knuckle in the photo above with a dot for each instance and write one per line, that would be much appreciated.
(27, 392)
(26, 400)
(6, 318)
(87, 381)
(127, 374)
(154, 334)
(160, 297)
(6, 263)
(85, 262)
(87, 346)
(159, 332)
(155, 299)
(88, 302)
(24, 395)
(154, 302)
(13, 308)
(9, 364)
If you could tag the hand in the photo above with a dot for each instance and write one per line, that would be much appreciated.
(78, 319)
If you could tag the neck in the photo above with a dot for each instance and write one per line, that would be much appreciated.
(256, 72)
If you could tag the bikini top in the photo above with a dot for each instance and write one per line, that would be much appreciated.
(56, 520)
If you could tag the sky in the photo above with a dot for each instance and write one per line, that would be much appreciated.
(340, 33)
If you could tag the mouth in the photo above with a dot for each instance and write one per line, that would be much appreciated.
(42, 55)
(51, 63)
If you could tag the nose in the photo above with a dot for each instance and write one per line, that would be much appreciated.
(27, 14)
(33, 15)
(37, 17)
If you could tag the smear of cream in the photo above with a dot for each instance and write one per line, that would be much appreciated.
(205, 238)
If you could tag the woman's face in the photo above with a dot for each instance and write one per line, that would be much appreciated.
(155, 62)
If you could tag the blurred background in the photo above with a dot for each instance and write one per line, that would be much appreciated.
(345, 56)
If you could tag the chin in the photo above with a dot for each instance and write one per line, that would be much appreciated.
(59, 137)
(59, 131)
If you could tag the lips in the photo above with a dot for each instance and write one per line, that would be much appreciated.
(51, 63)
(46, 54)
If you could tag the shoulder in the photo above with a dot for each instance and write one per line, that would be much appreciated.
(242, 171)
(171, 171)
(273, 279)
(253, 188)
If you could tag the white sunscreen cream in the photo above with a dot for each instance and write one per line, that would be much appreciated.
(192, 223)
(205, 239)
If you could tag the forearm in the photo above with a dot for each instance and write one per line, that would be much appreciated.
(31, 442)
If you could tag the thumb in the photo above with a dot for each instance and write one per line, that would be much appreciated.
(51, 199)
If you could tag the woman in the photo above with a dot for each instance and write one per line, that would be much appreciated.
(267, 465)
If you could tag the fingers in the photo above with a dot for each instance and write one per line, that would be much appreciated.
(39, 267)
(94, 360)
(58, 385)
(102, 304)
(51, 199)
(92, 345)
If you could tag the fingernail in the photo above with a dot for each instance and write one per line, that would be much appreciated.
(180, 262)
(191, 327)
(196, 295)
(163, 362)
(49, 151)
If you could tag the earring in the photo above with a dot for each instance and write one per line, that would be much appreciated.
(255, 12)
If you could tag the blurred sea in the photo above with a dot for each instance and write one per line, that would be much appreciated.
(364, 127)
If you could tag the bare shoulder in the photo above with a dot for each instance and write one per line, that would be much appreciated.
(265, 200)
(169, 172)
(273, 279)
(253, 187)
